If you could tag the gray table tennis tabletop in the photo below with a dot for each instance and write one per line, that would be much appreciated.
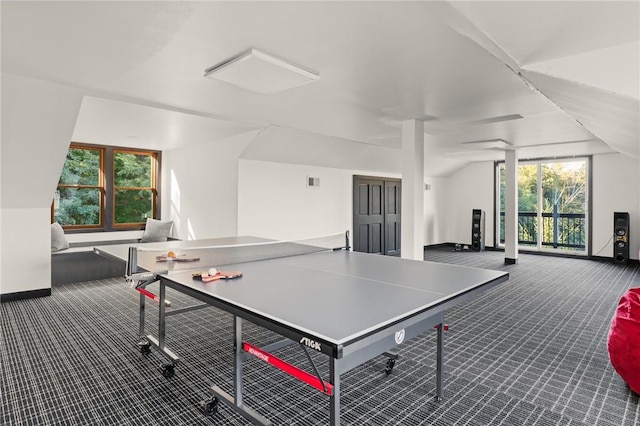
(339, 296)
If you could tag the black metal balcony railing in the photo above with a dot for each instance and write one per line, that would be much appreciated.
(559, 230)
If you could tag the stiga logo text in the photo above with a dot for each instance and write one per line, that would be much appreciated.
(311, 343)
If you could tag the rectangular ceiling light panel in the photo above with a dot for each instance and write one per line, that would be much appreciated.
(260, 72)
(489, 144)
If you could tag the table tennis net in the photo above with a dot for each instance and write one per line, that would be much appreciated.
(155, 260)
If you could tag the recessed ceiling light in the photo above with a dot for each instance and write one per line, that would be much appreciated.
(260, 72)
(488, 144)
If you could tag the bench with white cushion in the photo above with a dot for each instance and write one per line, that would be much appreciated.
(73, 258)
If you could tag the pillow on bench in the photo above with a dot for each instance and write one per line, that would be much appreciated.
(58, 239)
(156, 231)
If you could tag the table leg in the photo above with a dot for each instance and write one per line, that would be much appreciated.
(237, 360)
(334, 400)
(142, 307)
(161, 316)
(440, 361)
(235, 401)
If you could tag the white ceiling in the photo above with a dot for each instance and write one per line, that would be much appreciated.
(570, 69)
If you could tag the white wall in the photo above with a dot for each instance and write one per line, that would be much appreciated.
(472, 187)
(616, 188)
(435, 217)
(275, 202)
(26, 250)
(37, 123)
(200, 188)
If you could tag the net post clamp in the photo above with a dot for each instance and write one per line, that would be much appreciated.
(141, 277)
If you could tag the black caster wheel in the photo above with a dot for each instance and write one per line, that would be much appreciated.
(145, 348)
(168, 370)
(389, 367)
(209, 406)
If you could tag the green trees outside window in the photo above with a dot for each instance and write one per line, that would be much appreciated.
(105, 187)
(78, 200)
(552, 204)
(132, 177)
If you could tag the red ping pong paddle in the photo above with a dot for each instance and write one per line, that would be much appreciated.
(220, 275)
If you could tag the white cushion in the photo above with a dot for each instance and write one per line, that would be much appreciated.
(58, 239)
(156, 231)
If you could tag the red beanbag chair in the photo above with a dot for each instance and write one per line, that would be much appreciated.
(623, 341)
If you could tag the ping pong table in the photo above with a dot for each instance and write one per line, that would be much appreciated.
(349, 306)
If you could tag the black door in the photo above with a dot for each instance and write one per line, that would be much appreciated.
(393, 202)
(376, 215)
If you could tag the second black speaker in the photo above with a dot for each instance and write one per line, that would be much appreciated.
(477, 230)
(621, 237)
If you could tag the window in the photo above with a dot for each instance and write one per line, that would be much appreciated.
(134, 192)
(79, 199)
(106, 188)
(552, 205)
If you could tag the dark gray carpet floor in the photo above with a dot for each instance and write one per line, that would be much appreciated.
(530, 352)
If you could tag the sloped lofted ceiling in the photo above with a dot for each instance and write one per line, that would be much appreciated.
(583, 56)
(550, 78)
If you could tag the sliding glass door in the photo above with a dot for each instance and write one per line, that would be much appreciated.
(552, 205)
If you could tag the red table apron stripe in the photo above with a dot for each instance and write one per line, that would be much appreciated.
(152, 296)
(294, 371)
(148, 294)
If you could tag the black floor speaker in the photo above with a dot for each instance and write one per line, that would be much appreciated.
(477, 230)
(621, 238)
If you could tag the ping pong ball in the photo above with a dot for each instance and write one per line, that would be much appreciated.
(213, 271)
(171, 254)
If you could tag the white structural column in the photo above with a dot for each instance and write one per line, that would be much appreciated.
(511, 207)
(412, 218)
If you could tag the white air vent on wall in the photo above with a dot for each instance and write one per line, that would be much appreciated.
(313, 181)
